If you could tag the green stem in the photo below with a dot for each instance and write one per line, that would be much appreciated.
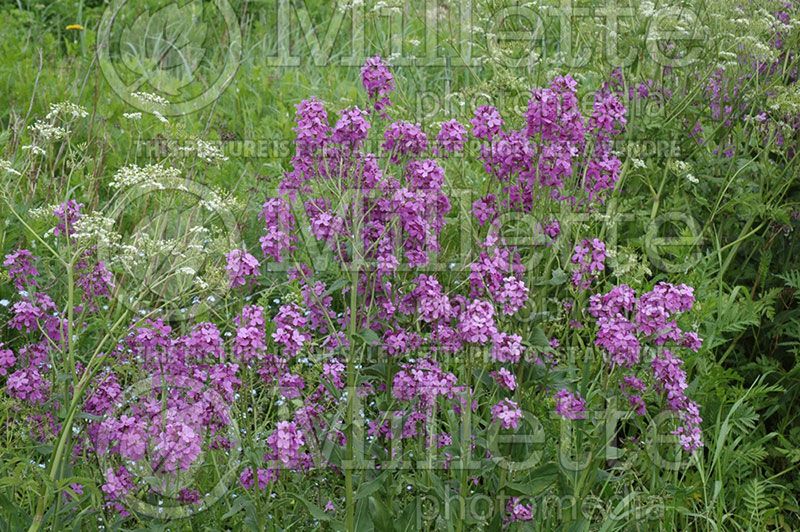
(351, 390)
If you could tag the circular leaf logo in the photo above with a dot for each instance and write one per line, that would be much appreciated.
(157, 446)
(182, 53)
(170, 256)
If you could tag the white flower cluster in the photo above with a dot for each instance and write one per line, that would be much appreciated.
(685, 169)
(94, 228)
(149, 98)
(150, 176)
(205, 151)
(219, 201)
(47, 131)
(66, 110)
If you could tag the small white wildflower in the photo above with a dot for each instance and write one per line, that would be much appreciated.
(146, 97)
(638, 163)
(64, 109)
(205, 151)
(132, 116)
(150, 176)
(161, 117)
(47, 131)
(692, 179)
(94, 227)
(34, 149)
(6, 167)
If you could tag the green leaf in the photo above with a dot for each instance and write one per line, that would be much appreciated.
(238, 505)
(316, 512)
(542, 478)
(537, 338)
(368, 488)
(370, 337)
(364, 516)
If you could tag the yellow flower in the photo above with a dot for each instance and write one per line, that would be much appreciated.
(77, 27)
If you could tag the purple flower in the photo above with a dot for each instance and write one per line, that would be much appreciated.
(289, 332)
(620, 299)
(21, 269)
(27, 384)
(512, 295)
(505, 378)
(246, 478)
(378, 82)
(487, 122)
(484, 209)
(279, 223)
(432, 303)
(312, 127)
(552, 229)
(423, 382)
(451, 138)
(189, 496)
(476, 323)
(176, 447)
(7, 360)
(589, 258)
(570, 405)
(518, 511)
(240, 265)
(285, 443)
(67, 213)
(95, 281)
(351, 129)
(118, 483)
(507, 413)
(250, 340)
(26, 315)
(617, 336)
(507, 347)
(204, 342)
(402, 139)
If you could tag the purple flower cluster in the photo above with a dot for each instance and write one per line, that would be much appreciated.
(280, 224)
(451, 138)
(517, 511)
(570, 405)
(240, 266)
(589, 260)
(422, 383)
(402, 139)
(626, 324)
(67, 213)
(507, 413)
(378, 82)
(21, 269)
